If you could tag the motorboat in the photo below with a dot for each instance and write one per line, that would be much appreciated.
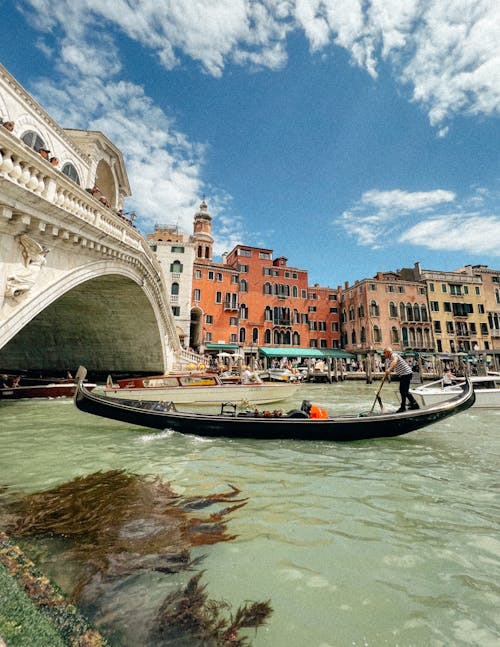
(197, 389)
(20, 387)
(486, 388)
(296, 424)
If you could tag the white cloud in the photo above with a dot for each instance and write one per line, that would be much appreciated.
(406, 201)
(469, 233)
(376, 220)
(448, 52)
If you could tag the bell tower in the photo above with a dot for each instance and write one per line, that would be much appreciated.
(202, 237)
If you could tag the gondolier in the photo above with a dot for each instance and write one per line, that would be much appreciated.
(404, 372)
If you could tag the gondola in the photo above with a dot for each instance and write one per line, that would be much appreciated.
(296, 424)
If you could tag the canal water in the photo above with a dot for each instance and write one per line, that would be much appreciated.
(383, 542)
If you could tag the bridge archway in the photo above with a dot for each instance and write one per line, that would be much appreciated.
(105, 321)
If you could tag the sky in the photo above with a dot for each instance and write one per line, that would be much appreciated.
(350, 136)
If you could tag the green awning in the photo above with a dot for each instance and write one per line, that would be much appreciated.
(221, 346)
(337, 353)
(290, 352)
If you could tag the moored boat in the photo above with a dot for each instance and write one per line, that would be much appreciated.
(197, 389)
(486, 388)
(17, 388)
(295, 424)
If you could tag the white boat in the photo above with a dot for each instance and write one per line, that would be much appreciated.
(486, 388)
(197, 389)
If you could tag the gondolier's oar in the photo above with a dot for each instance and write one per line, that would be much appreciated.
(377, 397)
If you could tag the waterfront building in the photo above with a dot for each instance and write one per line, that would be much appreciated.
(491, 292)
(457, 305)
(175, 251)
(386, 310)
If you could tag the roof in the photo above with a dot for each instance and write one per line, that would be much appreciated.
(319, 353)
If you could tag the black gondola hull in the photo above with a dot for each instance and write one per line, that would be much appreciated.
(267, 427)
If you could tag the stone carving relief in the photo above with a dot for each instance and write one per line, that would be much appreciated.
(25, 277)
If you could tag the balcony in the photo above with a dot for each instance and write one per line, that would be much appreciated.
(230, 306)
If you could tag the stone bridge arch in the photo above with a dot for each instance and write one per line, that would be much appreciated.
(103, 315)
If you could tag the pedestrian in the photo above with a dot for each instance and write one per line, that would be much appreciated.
(404, 372)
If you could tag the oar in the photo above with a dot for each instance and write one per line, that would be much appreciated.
(377, 397)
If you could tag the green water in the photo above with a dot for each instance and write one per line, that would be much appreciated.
(383, 542)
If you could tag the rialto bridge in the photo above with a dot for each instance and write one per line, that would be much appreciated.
(78, 283)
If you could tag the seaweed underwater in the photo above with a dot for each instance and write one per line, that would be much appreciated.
(115, 525)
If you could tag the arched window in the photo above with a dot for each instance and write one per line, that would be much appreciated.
(33, 140)
(361, 311)
(377, 335)
(402, 312)
(70, 171)
(353, 337)
(374, 309)
(394, 335)
(409, 312)
(267, 336)
(416, 312)
(296, 339)
(286, 337)
(393, 311)
(362, 336)
(176, 266)
(404, 332)
(267, 288)
(174, 289)
(343, 316)
(243, 286)
(242, 334)
(255, 335)
(295, 291)
(268, 314)
(351, 313)
(423, 313)
(243, 311)
(296, 316)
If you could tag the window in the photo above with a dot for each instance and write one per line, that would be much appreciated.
(70, 171)
(456, 289)
(177, 249)
(218, 297)
(372, 287)
(243, 334)
(394, 335)
(218, 277)
(484, 328)
(443, 287)
(197, 274)
(268, 314)
(176, 311)
(393, 311)
(197, 294)
(449, 327)
(210, 275)
(266, 256)
(478, 290)
(243, 268)
(209, 319)
(244, 252)
(480, 308)
(295, 292)
(431, 287)
(335, 326)
(437, 326)
(434, 306)
(447, 306)
(303, 294)
(233, 321)
(174, 288)
(243, 286)
(33, 140)
(176, 267)
(208, 337)
(377, 335)
(374, 309)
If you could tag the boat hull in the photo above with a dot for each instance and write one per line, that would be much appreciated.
(268, 425)
(486, 389)
(254, 394)
(41, 391)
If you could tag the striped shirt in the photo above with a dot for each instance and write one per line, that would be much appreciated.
(401, 367)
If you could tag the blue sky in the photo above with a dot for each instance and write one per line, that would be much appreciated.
(350, 136)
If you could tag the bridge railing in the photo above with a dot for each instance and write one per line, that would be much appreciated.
(23, 167)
